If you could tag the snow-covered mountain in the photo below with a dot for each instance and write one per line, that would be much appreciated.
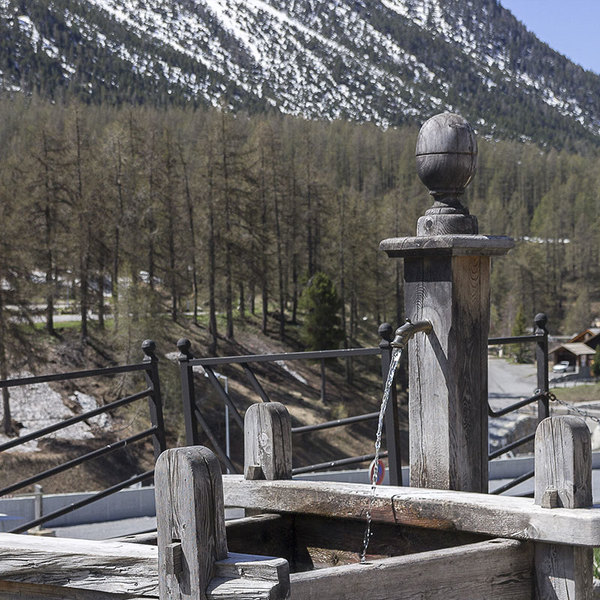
(384, 61)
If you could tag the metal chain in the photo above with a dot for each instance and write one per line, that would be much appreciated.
(571, 407)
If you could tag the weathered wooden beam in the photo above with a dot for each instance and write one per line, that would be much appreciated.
(193, 561)
(267, 442)
(190, 515)
(517, 518)
(563, 478)
(10, 590)
(492, 570)
(61, 563)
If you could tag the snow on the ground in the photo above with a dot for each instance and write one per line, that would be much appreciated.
(37, 406)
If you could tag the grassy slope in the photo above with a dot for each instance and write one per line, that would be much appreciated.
(67, 353)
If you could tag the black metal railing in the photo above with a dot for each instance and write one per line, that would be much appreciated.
(539, 398)
(149, 367)
(195, 420)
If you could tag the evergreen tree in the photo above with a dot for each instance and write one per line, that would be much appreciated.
(521, 352)
(321, 327)
(595, 367)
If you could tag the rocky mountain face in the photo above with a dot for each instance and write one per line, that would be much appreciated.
(383, 61)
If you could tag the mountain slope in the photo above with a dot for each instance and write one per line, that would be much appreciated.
(386, 61)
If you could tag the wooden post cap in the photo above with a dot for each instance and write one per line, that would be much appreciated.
(446, 160)
(446, 155)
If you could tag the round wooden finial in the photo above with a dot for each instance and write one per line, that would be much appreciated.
(446, 155)
(446, 161)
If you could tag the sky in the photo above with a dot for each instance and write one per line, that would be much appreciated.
(571, 27)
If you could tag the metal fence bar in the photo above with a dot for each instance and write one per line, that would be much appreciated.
(316, 355)
(511, 446)
(67, 422)
(213, 440)
(188, 393)
(337, 423)
(516, 339)
(392, 417)
(255, 383)
(224, 397)
(337, 463)
(159, 440)
(8, 383)
(77, 461)
(513, 483)
(513, 407)
(541, 357)
(75, 505)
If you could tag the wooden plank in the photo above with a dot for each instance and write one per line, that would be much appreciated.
(517, 518)
(448, 373)
(189, 511)
(102, 566)
(492, 570)
(563, 477)
(267, 442)
(10, 590)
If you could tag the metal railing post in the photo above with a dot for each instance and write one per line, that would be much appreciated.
(188, 393)
(541, 358)
(159, 440)
(392, 421)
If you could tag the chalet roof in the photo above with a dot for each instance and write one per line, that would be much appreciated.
(576, 348)
(593, 331)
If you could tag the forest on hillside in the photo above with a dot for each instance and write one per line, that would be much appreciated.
(138, 211)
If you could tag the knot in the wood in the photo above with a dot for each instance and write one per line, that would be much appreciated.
(446, 157)
(184, 346)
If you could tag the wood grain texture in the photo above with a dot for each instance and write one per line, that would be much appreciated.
(189, 509)
(268, 441)
(563, 466)
(10, 590)
(493, 570)
(102, 567)
(510, 517)
(448, 372)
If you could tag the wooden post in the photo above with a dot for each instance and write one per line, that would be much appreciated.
(563, 479)
(446, 281)
(193, 562)
(190, 518)
(267, 442)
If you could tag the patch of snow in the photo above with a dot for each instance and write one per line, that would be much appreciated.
(293, 373)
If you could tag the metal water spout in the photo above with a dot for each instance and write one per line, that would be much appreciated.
(406, 332)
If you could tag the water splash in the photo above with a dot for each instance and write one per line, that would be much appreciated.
(396, 356)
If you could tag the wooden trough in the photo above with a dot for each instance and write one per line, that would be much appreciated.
(442, 539)
(435, 544)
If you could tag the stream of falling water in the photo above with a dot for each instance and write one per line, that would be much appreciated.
(396, 356)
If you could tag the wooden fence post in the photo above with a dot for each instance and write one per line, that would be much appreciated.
(190, 518)
(267, 442)
(563, 479)
(193, 562)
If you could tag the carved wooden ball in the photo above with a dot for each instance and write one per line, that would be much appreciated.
(446, 154)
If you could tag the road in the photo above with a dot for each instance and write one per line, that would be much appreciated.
(509, 382)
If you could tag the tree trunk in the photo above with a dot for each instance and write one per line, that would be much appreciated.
(212, 267)
(190, 212)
